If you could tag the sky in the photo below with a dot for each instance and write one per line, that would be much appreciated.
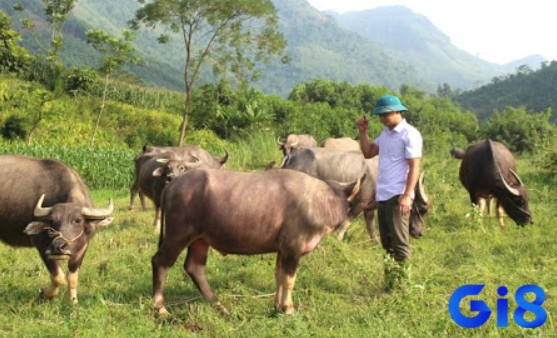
(493, 30)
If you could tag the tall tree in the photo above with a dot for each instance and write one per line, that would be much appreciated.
(228, 35)
(115, 53)
(13, 58)
(56, 12)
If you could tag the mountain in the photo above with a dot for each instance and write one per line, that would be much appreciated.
(416, 41)
(408, 49)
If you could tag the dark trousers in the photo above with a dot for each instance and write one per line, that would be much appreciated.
(394, 229)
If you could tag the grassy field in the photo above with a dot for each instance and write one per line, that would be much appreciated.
(338, 292)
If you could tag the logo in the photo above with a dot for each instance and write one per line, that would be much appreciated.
(524, 306)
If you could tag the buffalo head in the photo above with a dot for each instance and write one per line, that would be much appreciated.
(515, 200)
(64, 229)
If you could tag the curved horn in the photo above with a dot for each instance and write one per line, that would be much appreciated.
(194, 164)
(421, 188)
(510, 189)
(39, 210)
(223, 160)
(99, 213)
(295, 143)
(517, 178)
(163, 160)
(279, 142)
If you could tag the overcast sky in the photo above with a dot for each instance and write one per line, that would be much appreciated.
(496, 31)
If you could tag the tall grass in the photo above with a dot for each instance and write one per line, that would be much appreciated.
(339, 288)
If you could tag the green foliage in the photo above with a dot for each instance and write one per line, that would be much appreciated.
(13, 58)
(14, 128)
(100, 168)
(518, 129)
(218, 33)
(80, 81)
(533, 90)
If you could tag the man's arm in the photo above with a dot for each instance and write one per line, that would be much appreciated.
(368, 149)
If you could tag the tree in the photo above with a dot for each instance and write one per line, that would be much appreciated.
(230, 36)
(56, 12)
(115, 54)
(13, 58)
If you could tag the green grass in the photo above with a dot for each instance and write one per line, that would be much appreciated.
(338, 292)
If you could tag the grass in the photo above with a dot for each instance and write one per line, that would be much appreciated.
(338, 292)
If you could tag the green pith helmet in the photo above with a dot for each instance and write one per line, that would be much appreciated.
(387, 104)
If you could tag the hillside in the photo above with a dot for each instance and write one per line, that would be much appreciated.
(416, 41)
(319, 46)
(534, 90)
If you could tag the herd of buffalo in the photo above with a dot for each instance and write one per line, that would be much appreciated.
(317, 189)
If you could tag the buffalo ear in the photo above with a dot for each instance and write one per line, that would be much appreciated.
(352, 193)
(98, 223)
(34, 228)
(159, 172)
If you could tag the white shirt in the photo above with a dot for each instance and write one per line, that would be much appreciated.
(395, 147)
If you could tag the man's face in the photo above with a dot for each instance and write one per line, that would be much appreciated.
(390, 120)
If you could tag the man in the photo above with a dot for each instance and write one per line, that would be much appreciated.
(399, 147)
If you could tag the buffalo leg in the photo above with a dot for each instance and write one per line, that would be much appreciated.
(195, 263)
(73, 273)
(161, 261)
(500, 214)
(342, 229)
(57, 278)
(157, 221)
(287, 266)
(369, 216)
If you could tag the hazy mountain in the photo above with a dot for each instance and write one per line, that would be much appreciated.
(385, 46)
(416, 41)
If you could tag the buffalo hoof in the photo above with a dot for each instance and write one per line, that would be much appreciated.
(49, 296)
(162, 312)
(222, 309)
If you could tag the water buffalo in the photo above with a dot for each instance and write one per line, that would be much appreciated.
(283, 211)
(294, 141)
(483, 202)
(155, 174)
(342, 143)
(458, 153)
(45, 204)
(488, 169)
(331, 164)
(188, 153)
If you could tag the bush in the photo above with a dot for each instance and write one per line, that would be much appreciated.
(519, 130)
(15, 128)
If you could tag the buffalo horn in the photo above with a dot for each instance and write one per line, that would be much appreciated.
(512, 190)
(194, 164)
(39, 210)
(421, 188)
(279, 142)
(517, 178)
(99, 213)
(294, 144)
(223, 160)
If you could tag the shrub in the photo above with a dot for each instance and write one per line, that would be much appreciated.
(15, 128)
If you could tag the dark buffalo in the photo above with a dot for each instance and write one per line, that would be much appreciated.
(45, 204)
(294, 141)
(155, 174)
(283, 211)
(188, 154)
(342, 143)
(483, 202)
(488, 169)
(458, 153)
(345, 166)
